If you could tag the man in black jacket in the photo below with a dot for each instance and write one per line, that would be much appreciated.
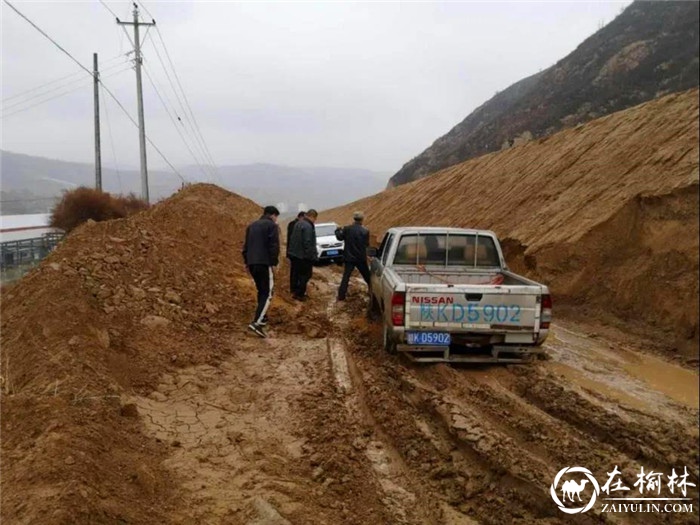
(303, 253)
(261, 254)
(356, 239)
(293, 277)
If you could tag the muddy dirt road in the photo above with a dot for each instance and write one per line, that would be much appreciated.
(331, 430)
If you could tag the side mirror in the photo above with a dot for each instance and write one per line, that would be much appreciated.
(371, 252)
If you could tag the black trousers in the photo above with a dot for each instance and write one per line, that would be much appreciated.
(347, 272)
(293, 274)
(264, 282)
(303, 269)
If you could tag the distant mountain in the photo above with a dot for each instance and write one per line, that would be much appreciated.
(33, 184)
(651, 49)
(316, 187)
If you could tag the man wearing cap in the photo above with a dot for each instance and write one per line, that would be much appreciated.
(261, 252)
(356, 239)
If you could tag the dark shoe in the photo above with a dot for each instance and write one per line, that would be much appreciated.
(264, 321)
(340, 298)
(257, 329)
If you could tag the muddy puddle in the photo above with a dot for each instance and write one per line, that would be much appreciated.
(637, 380)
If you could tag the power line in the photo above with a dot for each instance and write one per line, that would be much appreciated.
(179, 100)
(147, 137)
(198, 134)
(111, 141)
(57, 80)
(60, 87)
(49, 38)
(177, 78)
(83, 84)
(100, 81)
(108, 9)
(206, 169)
(172, 119)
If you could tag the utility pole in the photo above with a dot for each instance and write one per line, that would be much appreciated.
(98, 153)
(139, 97)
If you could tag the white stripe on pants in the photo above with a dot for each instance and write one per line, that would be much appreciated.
(269, 296)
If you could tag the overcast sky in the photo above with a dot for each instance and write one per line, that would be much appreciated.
(366, 85)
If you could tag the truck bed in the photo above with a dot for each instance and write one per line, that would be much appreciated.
(457, 276)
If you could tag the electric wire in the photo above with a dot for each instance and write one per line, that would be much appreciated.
(172, 120)
(198, 134)
(204, 166)
(184, 95)
(145, 36)
(48, 37)
(60, 87)
(111, 141)
(108, 9)
(179, 100)
(85, 83)
(57, 80)
(124, 110)
(109, 92)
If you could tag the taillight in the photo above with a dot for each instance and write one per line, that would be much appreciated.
(398, 301)
(546, 315)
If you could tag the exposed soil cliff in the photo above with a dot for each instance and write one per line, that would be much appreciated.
(605, 213)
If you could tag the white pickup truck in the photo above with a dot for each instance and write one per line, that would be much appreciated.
(446, 294)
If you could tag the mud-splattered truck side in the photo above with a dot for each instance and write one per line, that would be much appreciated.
(446, 294)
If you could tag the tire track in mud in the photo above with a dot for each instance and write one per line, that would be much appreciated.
(488, 441)
(335, 431)
(401, 498)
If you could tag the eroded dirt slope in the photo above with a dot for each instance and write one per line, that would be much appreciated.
(132, 393)
(116, 305)
(606, 213)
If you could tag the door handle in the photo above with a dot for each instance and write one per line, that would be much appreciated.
(473, 296)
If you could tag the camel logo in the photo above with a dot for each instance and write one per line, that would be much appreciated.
(572, 489)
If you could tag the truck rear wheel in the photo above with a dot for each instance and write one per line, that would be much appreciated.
(389, 344)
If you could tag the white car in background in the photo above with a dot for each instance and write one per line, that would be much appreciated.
(328, 247)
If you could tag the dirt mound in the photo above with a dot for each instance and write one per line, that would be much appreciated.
(115, 306)
(607, 213)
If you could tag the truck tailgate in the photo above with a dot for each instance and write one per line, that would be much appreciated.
(473, 308)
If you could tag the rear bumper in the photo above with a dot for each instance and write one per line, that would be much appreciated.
(491, 354)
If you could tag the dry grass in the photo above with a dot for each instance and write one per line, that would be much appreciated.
(82, 204)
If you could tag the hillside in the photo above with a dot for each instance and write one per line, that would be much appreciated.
(605, 213)
(133, 392)
(649, 50)
(31, 184)
(113, 307)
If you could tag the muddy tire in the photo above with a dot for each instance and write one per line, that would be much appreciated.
(389, 344)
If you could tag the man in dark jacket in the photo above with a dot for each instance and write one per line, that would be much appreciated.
(261, 254)
(356, 239)
(303, 253)
(293, 277)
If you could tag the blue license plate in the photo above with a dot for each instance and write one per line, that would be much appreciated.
(428, 338)
(332, 252)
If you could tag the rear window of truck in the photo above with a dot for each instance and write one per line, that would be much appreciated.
(439, 249)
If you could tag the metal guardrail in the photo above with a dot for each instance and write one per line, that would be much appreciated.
(27, 253)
